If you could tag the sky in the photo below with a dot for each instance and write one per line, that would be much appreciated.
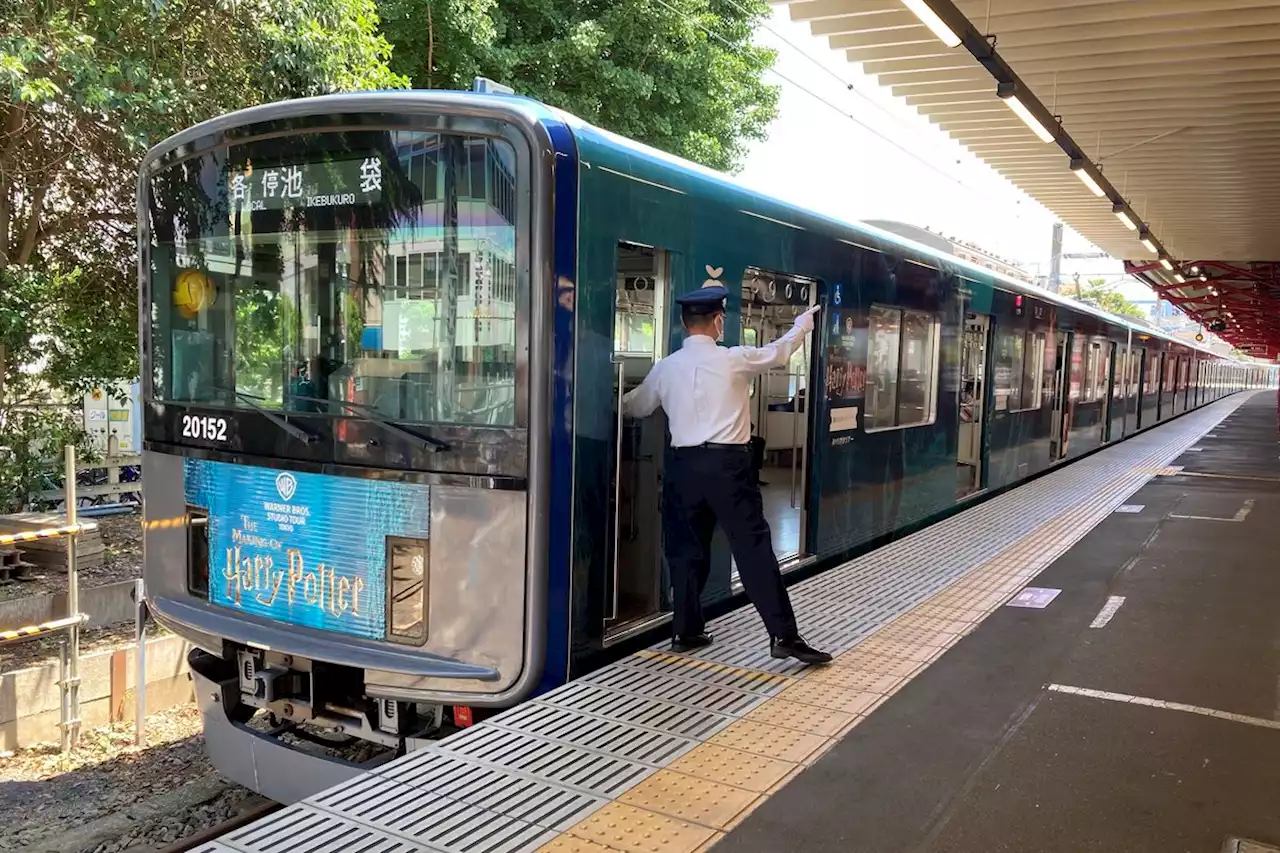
(845, 147)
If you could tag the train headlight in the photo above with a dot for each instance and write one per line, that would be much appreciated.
(407, 590)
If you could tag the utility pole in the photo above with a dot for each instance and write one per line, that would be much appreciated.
(1055, 259)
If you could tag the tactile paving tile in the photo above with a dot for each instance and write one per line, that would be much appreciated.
(859, 680)
(827, 695)
(759, 739)
(731, 767)
(632, 830)
(625, 731)
(780, 713)
(689, 798)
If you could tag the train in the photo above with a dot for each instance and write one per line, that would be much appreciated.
(384, 336)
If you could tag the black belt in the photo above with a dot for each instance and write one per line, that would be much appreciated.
(711, 445)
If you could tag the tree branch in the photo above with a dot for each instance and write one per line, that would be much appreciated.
(431, 46)
(32, 231)
(14, 119)
(73, 222)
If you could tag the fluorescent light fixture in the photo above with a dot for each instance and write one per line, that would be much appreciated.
(1082, 172)
(1008, 94)
(1151, 247)
(930, 19)
(1166, 263)
(1179, 278)
(1123, 215)
(1195, 270)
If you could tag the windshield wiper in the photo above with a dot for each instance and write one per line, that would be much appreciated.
(378, 419)
(250, 401)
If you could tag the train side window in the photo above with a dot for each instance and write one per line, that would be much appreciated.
(902, 368)
(1019, 370)
(1033, 371)
(1010, 364)
(1093, 372)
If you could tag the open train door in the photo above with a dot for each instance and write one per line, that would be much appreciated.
(1059, 428)
(636, 591)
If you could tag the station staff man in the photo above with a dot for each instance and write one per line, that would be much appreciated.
(705, 391)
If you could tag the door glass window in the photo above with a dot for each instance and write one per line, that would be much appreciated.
(902, 368)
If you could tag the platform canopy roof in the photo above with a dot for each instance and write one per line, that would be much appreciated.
(1162, 112)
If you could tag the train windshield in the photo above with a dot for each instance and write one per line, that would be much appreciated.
(365, 274)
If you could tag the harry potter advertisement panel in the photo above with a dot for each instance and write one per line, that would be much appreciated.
(304, 548)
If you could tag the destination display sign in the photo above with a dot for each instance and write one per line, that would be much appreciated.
(332, 183)
(305, 549)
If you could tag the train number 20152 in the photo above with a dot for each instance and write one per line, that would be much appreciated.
(204, 427)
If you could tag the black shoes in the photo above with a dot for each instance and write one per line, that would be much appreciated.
(691, 642)
(779, 648)
(798, 649)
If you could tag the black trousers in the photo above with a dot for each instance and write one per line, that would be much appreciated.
(702, 486)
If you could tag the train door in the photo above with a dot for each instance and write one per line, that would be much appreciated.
(1058, 428)
(973, 395)
(779, 410)
(1133, 394)
(1110, 390)
(1161, 365)
(635, 591)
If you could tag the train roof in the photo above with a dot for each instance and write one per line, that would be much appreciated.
(533, 110)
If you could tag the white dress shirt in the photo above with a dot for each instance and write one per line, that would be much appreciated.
(705, 389)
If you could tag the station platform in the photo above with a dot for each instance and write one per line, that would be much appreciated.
(1087, 662)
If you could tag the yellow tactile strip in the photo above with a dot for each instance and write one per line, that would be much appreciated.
(691, 804)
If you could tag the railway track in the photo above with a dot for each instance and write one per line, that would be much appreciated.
(253, 809)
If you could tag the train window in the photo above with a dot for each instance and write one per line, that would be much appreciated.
(1077, 367)
(639, 304)
(1019, 379)
(1033, 371)
(1010, 361)
(902, 368)
(300, 272)
(1093, 372)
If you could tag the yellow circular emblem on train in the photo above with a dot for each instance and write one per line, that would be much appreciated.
(192, 292)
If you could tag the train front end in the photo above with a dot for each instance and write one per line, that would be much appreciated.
(344, 500)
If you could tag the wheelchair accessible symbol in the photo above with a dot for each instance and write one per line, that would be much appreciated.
(835, 297)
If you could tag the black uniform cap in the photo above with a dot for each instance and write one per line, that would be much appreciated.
(708, 299)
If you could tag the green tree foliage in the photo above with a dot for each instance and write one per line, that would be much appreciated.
(85, 87)
(1105, 296)
(680, 75)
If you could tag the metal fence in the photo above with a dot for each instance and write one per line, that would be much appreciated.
(72, 624)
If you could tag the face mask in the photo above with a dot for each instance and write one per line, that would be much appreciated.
(720, 328)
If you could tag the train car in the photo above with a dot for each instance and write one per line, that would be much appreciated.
(384, 336)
